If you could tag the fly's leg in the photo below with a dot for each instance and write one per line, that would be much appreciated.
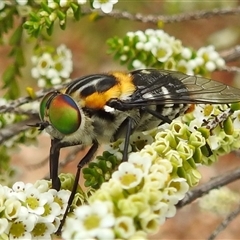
(157, 115)
(54, 162)
(127, 138)
(85, 160)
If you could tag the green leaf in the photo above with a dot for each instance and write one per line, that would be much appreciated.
(13, 91)
(46, 7)
(9, 75)
(76, 11)
(20, 60)
(61, 15)
(50, 29)
(16, 36)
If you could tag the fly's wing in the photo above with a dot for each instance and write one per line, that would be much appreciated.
(168, 87)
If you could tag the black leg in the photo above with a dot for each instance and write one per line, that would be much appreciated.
(157, 115)
(85, 160)
(127, 138)
(56, 146)
(53, 163)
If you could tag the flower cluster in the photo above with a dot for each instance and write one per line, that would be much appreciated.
(155, 48)
(135, 199)
(220, 201)
(162, 164)
(31, 211)
(105, 5)
(52, 67)
(50, 11)
(3, 3)
(144, 194)
(8, 118)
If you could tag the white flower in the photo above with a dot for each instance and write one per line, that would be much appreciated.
(61, 197)
(63, 3)
(203, 112)
(22, 2)
(105, 5)
(139, 140)
(2, 4)
(147, 46)
(220, 63)
(12, 207)
(20, 229)
(91, 221)
(139, 45)
(124, 227)
(43, 231)
(162, 51)
(18, 187)
(150, 223)
(51, 208)
(123, 58)
(236, 121)
(186, 53)
(130, 34)
(81, 1)
(141, 161)
(64, 52)
(138, 64)
(161, 209)
(55, 81)
(128, 175)
(42, 83)
(141, 36)
(184, 67)
(210, 66)
(35, 73)
(181, 187)
(213, 142)
(44, 63)
(53, 4)
(3, 225)
(221, 201)
(3, 102)
(154, 41)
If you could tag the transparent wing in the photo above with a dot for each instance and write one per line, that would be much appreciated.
(163, 87)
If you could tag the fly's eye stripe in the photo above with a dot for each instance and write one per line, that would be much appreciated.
(62, 111)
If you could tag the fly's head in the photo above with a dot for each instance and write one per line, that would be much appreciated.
(60, 115)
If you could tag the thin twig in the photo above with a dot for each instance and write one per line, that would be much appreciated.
(39, 164)
(232, 69)
(231, 54)
(14, 129)
(166, 19)
(69, 158)
(225, 223)
(13, 106)
(216, 182)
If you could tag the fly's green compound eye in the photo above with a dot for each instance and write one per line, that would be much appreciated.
(44, 105)
(64, 114)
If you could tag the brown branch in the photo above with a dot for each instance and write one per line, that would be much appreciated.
(231, 54)
(216, 182)
(225, 223)
(14, 129)
(165, 19)
(12, 106)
